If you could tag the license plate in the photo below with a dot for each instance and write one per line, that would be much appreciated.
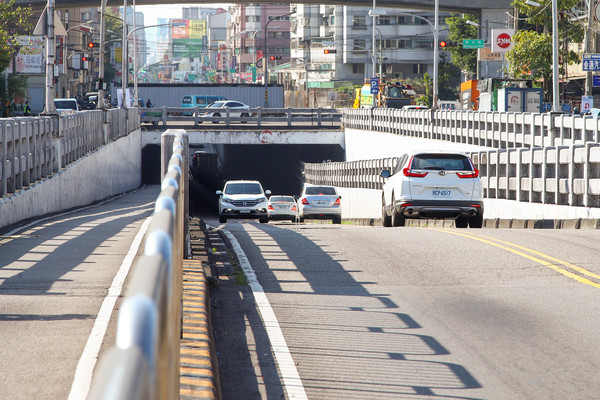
(244, 211)
(321, 203)
(441, 193)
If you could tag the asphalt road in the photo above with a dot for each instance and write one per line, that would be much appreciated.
(54, 276)
(415, 313)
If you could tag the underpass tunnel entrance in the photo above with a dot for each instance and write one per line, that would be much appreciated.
(277, 167)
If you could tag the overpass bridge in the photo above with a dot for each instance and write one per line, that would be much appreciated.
(535, 162)
(464, 6)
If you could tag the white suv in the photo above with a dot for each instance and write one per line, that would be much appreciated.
(433, 185)
(243, 199)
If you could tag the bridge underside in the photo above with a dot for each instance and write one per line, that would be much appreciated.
(277, 166)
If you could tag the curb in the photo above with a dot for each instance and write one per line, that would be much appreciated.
(493, 223)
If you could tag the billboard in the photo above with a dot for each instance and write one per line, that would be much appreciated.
(189, 37)
(30, 59)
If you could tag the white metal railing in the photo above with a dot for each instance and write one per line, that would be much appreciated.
(488, 129)
(144, 362)
(26, 151)
(563, 175)
(33, 148)
(285, 116)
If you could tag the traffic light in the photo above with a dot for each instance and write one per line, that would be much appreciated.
(445, 44)
(273, 58)
(84, 58)
(92, 45)
(328, 51)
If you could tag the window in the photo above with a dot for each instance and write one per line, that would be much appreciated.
(359, 44)
(384, 20)
(359, 23)
(358, 68)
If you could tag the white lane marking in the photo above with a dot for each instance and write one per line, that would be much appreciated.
(83, 374)
(291, 379)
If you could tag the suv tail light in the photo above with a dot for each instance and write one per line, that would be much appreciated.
(337, 202)
(468, 174)
(304, 201)
(413, 174)
(271, 207)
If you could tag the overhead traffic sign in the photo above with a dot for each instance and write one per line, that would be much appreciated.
(472, 44)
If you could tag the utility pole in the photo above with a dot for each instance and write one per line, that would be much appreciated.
(50, 49)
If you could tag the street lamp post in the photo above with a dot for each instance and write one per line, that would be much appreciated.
(555, 83)
(266, 58)
(126, 58)
(255, 53)
(124, 71)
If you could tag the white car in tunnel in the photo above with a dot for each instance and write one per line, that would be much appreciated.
(320, 202)
(433, 185)
(243, 199)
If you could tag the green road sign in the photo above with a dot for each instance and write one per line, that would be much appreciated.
(472, 43)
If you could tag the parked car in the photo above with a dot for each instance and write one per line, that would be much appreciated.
(433, 185)
(320, 202)
(66, 106)
(219, 109)
(243, 199)
(282, 208)
(415, 107)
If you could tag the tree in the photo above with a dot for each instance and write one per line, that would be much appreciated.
(531, 57)
(458, 29)
(14, 22)
(531, 54)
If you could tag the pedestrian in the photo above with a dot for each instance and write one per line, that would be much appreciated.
(27, 109)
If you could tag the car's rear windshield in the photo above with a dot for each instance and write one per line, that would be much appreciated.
(452, 162)
(282, 198)
(65, 104)
(320, 190)
(243, 188)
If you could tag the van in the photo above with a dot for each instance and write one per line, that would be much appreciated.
(200, 101)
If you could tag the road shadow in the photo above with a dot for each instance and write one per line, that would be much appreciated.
(368, 329)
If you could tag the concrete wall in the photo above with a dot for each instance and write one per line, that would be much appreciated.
(110, 170)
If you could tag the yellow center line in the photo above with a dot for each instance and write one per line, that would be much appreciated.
(501, 244)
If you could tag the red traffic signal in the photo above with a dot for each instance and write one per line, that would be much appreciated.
(328, 51)
(91, 45)
(84, 58)
(272, 58)
(443, 44)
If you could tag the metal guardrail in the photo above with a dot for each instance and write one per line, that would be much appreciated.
(26, 152)
(563, 175)
(539, 158)
(489, 129)
(144, 362)
(363, 174)
(33, 148)
(257, 116)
